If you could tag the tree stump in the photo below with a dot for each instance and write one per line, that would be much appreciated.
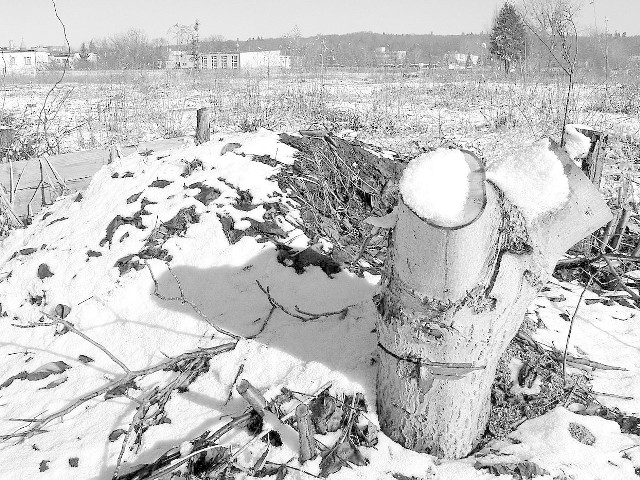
(453, 297)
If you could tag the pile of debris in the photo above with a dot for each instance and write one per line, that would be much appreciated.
(337, 184)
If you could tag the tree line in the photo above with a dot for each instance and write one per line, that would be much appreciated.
(537, 38)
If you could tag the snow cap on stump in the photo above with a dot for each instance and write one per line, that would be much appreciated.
(533, 178)
(444, 187)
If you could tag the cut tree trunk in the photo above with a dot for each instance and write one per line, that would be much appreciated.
(451, 301)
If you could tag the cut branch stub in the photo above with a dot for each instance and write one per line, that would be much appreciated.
(252, 396)
(305, 431)
(452, 299)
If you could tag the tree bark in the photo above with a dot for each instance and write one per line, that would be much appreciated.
(452, 300)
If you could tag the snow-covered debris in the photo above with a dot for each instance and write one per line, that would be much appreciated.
(515, 366)
(576, 143)
(265, 142)
(603, 331)
(532, 178)
(568, 446)
(436, 186)
(209, 217)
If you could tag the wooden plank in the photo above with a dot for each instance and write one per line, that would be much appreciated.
(77, 169)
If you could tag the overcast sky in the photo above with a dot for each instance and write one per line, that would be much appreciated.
(35, 21)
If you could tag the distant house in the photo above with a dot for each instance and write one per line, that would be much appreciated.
(91, 57)
(389, 58)
(65, 59)
(459, 61)
(23, 61)
(176, 59)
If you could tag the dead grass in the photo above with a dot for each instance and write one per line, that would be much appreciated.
(94, 109)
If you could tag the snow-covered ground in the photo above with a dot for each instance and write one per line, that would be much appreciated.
(81, 240)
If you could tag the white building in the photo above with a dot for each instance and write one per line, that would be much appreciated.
(264, 59)
(219, 61)
(227, 60)
(23, 61)
(208, 61)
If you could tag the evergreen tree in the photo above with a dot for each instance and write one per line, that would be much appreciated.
(507, 39)
(84, 53)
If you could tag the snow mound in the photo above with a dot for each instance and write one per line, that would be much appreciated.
(533, 179)
(576, 143)
(208, 215)
(435, 186)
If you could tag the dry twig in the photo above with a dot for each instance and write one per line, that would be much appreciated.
(299, 313)
(621, 283)
(573, 317)
(37, 425)
(183, 300)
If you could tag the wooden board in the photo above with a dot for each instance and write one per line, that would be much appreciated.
(77, 169)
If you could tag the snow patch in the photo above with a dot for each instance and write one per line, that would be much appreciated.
(533, 179)
(266, 142)
(436, 186)
(547, 440)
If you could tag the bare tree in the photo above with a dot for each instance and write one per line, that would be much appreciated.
(552, 23)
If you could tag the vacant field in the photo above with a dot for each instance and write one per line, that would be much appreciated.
(404, 111)
(96, 108)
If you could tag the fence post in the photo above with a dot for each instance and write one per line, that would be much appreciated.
(203, 124)
(592, 164)
(592, 168)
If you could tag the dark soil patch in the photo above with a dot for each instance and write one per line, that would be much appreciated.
(267, 160)
(244, 201)
(24, 251)
(207, 194)
(134, 197)
(299, 261)
(153, 247)
(119, 220)
(44, 271)
(160, 183)
(128, 263)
